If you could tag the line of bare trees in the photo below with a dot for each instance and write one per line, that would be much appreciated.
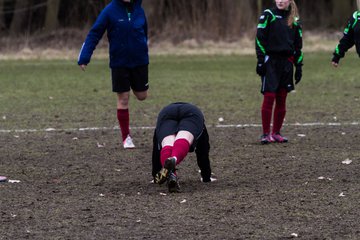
(171, 19)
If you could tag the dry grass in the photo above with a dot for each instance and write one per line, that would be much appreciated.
(313, 42)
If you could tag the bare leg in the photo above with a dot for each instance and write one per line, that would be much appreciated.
(141, 96)
(123, 100)
(168, 141)
(185, 135)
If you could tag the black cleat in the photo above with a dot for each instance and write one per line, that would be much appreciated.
(164, 173)
(173, 183)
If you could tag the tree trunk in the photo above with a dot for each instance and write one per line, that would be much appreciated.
(20, 16)
(259, 7)
(2, 16)
(149, 7)
(341, 12)
(51, 20)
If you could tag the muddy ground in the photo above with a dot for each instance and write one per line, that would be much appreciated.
(83, 185)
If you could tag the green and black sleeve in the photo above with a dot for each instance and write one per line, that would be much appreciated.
(347, 41)
(298, 43)
(262, 34)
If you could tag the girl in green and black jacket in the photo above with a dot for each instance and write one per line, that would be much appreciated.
(350, 38)
(278, 49)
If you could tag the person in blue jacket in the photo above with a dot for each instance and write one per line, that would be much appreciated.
(126, 25)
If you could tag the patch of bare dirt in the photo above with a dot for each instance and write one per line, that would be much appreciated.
(70, 188)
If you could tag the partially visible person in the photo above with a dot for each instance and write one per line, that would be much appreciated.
(350, 38)
(180, 129)
(126, 26)
(278, 49)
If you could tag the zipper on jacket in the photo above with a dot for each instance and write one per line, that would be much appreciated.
(128, 11)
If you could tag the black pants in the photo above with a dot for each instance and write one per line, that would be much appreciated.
(179, 116)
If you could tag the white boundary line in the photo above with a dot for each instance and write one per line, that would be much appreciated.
(249, 125)
(314, 124)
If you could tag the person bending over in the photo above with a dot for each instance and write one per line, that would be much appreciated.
(180, 129)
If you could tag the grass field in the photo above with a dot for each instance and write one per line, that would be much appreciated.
(72, 188)
(41, 94)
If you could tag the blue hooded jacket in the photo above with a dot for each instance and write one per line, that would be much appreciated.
(126, 32)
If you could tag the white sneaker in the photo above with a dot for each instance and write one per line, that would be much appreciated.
(128, 143)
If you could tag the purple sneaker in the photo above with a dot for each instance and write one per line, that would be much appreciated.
(266, 138)
(279, 138)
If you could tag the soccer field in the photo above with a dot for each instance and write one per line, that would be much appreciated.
(57, 138)
(43, 94)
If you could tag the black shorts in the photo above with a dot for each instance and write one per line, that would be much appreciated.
(177, 117)
(279, 74)
(124, 79)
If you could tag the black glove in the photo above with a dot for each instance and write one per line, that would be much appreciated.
(298, 74)
(336, 59)
(261, 69)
